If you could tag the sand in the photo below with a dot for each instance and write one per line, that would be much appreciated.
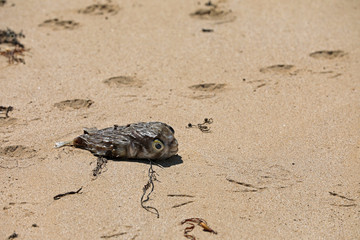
(280, 79)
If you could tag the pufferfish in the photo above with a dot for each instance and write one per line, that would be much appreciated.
(143, 140)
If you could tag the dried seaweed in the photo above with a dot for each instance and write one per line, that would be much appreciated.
(6, 110)
(199, 221)
(57, 197)
(150, 184)
(202, 126)
(13, 55)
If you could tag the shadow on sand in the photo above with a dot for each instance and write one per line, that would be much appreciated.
(165, 163)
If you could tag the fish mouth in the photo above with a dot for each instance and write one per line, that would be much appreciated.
(174, 147)
(173, 152)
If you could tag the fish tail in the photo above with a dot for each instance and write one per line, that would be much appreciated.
(62, 144)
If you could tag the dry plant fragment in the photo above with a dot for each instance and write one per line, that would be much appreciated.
(201, 222)
(206, 227)
(13, 54)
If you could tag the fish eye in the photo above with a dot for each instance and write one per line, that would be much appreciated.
(157, 145)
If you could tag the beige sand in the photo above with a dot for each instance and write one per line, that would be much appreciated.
(281, 161)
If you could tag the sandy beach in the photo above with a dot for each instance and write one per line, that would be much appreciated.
(279, 79)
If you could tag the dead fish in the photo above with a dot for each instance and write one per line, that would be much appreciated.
(143, 140)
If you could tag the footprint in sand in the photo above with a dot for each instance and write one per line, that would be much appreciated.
(279, 69)
(17, 151)
(343, 196)
(206, 90)
(214, 12)
(5, 119)
(123, 81)
(4, 122)
(327, 54)
(74, 104)
(208, 87)
(56, 24)
(15, 156)
(258, 84)
(100, 9)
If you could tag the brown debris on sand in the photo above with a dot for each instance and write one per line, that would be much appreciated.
(13, 55)
(199, 221)
(100, 9)
(202, 126)
(16, 51)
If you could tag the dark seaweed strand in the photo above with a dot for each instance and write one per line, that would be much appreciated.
(203, 127)
(150, 183)
(57, 197)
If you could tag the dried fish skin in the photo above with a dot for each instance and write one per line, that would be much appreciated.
(143, 140)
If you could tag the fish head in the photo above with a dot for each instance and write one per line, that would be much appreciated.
(157, 141)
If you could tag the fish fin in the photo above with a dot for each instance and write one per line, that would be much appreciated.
(90, 131)
(62, 144)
